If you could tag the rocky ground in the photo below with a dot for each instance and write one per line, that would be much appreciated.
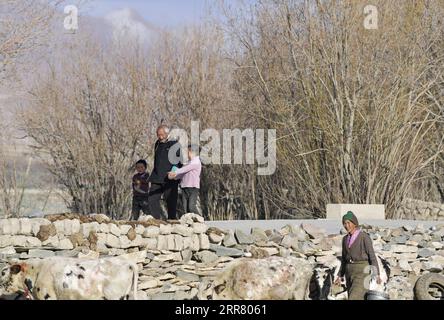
(175, 257)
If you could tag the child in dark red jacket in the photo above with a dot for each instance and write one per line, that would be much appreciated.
(141, 188)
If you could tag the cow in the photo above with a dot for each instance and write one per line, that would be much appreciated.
(273, 278)
(278, 278)
(60, 278)
(322, 281)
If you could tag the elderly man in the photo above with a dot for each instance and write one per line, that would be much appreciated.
(164, 160)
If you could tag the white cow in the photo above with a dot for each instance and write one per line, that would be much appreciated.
(59, 278)
(273, 278)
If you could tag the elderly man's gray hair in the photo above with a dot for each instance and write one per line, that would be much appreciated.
(164, 127)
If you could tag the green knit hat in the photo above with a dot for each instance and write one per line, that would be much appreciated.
(350, 216)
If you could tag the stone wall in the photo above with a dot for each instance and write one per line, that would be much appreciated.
(421, 210)
(104, 236)
(174, 258)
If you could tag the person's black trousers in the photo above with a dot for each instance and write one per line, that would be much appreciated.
(170, 191)
(139, 205)
(189, 199)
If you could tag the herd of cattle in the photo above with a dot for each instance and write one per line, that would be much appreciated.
(114, 278)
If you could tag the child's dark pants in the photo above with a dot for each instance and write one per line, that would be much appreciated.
(189, 199)
(139, 204)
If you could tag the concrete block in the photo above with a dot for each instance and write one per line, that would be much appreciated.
(362, 211)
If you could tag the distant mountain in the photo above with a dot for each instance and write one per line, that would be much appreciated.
(127, 24)
(123, 26)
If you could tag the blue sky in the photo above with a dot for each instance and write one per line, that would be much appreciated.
(159, 12)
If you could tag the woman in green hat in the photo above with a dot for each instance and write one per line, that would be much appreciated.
(357, 255)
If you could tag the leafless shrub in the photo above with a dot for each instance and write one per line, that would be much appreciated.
(358, 112)
(352, 106)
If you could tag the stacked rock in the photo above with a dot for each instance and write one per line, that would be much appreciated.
(175, 257)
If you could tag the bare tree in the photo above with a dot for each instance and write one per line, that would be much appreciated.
(24, 27)
(358, 112)
(350, 105)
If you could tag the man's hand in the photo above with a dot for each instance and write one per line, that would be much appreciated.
(378, 280)
(338, 281)
(172, 175)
